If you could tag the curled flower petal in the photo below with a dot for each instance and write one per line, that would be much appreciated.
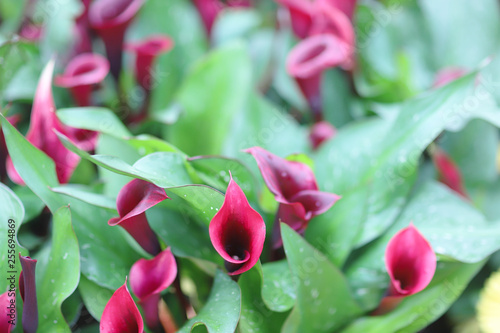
(449, 173)
(410, 262)
(41, 131)
(315, 202)
(111, 18)
(81, 74)
(320, 132)
(237, 231)
(148, 278)
(8, 311)
(146, 52)
(132, 202)
(27, 289)
(121, 314)
(283, 178)
(307, 61)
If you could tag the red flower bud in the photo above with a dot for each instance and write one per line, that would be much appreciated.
(449, 173)
(27, 289)
(320, 132)
(237, 231)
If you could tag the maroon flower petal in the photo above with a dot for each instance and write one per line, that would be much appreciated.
(346, 6)
(315, 202)
(146, 52)
(283, 178)
(148, 278)
(82, 72)
(27, 289)
(121, 314)
(449, 173)
(7, 311)
(41, 131)
(208, 10)
(301, 15)
(111, 18)
(237, 231)
(320, 132)
(132, 202)
(410, 262)
(307, 61)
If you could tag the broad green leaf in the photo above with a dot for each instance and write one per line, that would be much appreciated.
(94, 296)
(255, 315)
(35, 167)
(216, 88)
(234, 24)
(60, 273)
(11, 212)
(181, 229)
(222, 310)
(278, 288)
(82, 193)
(417, 311)
(468, 23)
(324, 302)
(33, 206)
(454, 229)
(202, 199)
(93, 118)
(214, 171)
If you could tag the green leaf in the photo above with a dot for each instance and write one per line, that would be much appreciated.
(255, 315)
(222, 310)
(278, 289)
(417, 311)
(82, 193)
(324, 302)
(454, 229)
(60, 273)
(33, 205)
(94, 296)
(95, 119)
(215, 88)
(11, 212)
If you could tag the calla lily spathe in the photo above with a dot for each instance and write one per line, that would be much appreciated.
(121, 314)
(110, 19)
(294, 187)
(237, 231)
(132, 202)
(321, 132)
(148, 278)
(449, 173)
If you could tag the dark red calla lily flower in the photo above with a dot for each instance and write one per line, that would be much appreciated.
(237, 231)
(81, 74)
(410, 262)
(121, 314)
(132, 202)
(146, 52)
(320, 132)
(148, 278)
(292, 183)
(210, 9)
(41, 131)
(449, 173)
(448, 75)
(110, 19)
(8, 310)
(309, 59)
(27, 289)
